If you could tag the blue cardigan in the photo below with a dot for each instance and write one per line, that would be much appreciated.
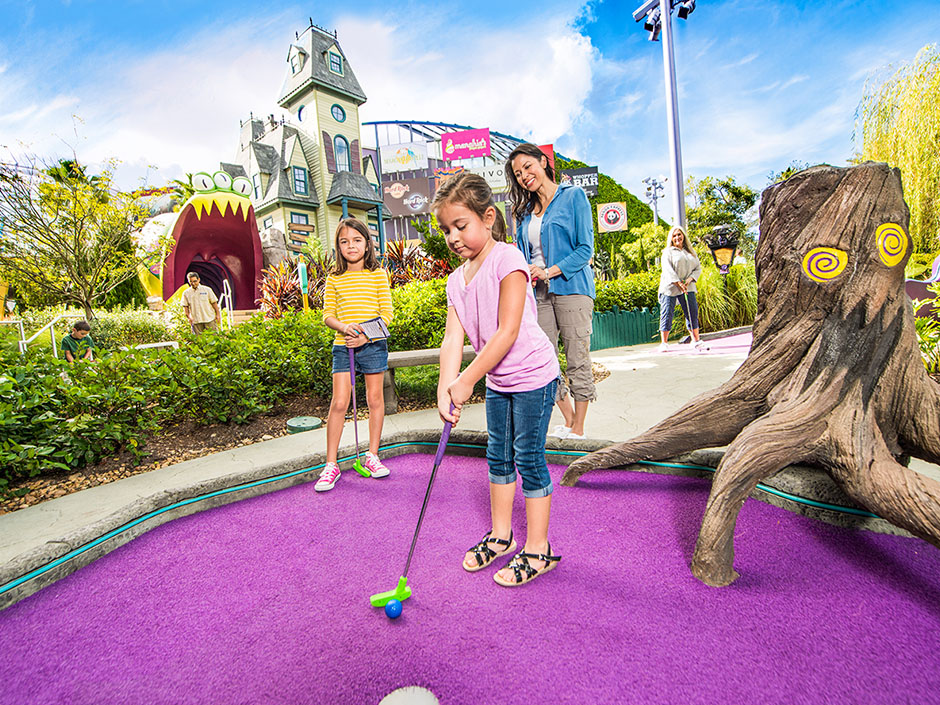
(567, 237)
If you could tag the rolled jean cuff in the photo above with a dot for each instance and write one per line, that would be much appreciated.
(503, 479)
(535, 494)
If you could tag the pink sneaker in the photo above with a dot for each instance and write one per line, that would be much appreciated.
(374, 465)
(328, 478)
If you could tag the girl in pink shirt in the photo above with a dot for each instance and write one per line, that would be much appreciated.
(490, 301)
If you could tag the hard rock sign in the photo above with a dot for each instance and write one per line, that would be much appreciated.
(834, 377)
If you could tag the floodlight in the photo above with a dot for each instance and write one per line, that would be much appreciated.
(652, 19)
(685, 9)
(644, 9)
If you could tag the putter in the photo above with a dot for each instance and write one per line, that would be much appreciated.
(357, 465)
(688, 320)
(403, 590)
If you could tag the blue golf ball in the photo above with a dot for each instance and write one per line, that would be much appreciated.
(393, 609)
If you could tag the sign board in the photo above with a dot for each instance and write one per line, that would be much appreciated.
(466, 144)
(441, 174)
(549, 151)
(404, 197)
(585, 178)
(495, 176)
(406, 156)
(611, 217)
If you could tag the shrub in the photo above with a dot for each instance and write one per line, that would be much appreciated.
(129, 327)
(54, 415)
(635, 291)
(420, 315)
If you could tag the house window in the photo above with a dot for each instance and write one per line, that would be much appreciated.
(267, 223)
(256, 183)
(336, 63)
(299, 218)
(341, 152)
(300, 180)
(297, 60)
(338, 113)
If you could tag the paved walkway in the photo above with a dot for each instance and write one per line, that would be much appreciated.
(644, 387)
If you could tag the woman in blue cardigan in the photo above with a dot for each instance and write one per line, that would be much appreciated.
(555, 231)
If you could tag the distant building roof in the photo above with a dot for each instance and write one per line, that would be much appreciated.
(309, 55)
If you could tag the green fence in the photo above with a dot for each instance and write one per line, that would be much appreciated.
(615, 327)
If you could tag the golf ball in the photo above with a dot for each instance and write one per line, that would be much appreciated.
(393, 609)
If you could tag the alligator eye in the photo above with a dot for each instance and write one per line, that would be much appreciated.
(222, 180)
(203, 182)
(241, 185)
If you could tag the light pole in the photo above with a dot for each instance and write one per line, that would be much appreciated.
(658, 18)
(654, 187)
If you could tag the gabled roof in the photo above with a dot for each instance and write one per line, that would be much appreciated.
(314, 43)
(272, 156)
(233, 170)
(355, 188)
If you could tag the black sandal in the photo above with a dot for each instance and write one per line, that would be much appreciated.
(524, 572)
(486, 555)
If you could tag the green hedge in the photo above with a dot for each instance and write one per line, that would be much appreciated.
(54, 415)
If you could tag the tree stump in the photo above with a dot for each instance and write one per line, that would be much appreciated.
(834, 377)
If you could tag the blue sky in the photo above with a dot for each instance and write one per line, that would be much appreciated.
(161, 85)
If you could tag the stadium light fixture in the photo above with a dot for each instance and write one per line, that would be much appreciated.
(657, 18)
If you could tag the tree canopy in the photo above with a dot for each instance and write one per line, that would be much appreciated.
(898, 122)
(65, 235)
(711, 202)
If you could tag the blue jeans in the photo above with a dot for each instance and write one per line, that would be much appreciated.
(517, 423)
(667, 305)
(370, 358)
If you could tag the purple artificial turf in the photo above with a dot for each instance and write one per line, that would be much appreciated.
(267, 600)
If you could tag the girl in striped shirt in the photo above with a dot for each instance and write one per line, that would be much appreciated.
(356, 290)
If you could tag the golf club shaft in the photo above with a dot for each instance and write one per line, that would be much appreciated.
(352, 379)
(445, 435)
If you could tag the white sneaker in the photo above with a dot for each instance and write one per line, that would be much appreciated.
(374, 465)
(560, 431)
(328, 478)
(700, 345)
(575, 437)
(663, 347)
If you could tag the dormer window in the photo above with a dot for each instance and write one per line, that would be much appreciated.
(336, 62)
(297, 58)
(300, 181)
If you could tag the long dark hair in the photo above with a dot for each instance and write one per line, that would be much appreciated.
(523, 200)
(370, 261)
(472, 191)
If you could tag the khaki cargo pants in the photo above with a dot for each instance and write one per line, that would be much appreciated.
(569, 317)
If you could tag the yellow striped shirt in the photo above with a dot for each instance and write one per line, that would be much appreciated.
(354, 297)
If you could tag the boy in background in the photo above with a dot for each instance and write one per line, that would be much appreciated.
(78, 344)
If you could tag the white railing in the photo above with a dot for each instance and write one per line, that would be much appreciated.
(18, 323)
(143, 346)
(24, 341)
(227, 305)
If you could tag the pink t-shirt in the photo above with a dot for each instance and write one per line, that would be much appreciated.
(531, 362)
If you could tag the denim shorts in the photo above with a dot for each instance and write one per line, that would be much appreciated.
(370, 358)
(517, 423)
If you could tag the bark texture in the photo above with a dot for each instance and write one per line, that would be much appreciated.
(834, 377)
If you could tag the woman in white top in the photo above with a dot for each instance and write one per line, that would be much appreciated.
(681, 268)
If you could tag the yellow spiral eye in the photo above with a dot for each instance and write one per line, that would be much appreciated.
(824, 263)
(892, 243)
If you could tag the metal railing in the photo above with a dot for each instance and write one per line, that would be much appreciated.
(226, 303)
(24, 341)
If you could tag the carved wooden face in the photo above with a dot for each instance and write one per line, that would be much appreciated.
(832, 238)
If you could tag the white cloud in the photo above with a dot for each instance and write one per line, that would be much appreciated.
(528, 81)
